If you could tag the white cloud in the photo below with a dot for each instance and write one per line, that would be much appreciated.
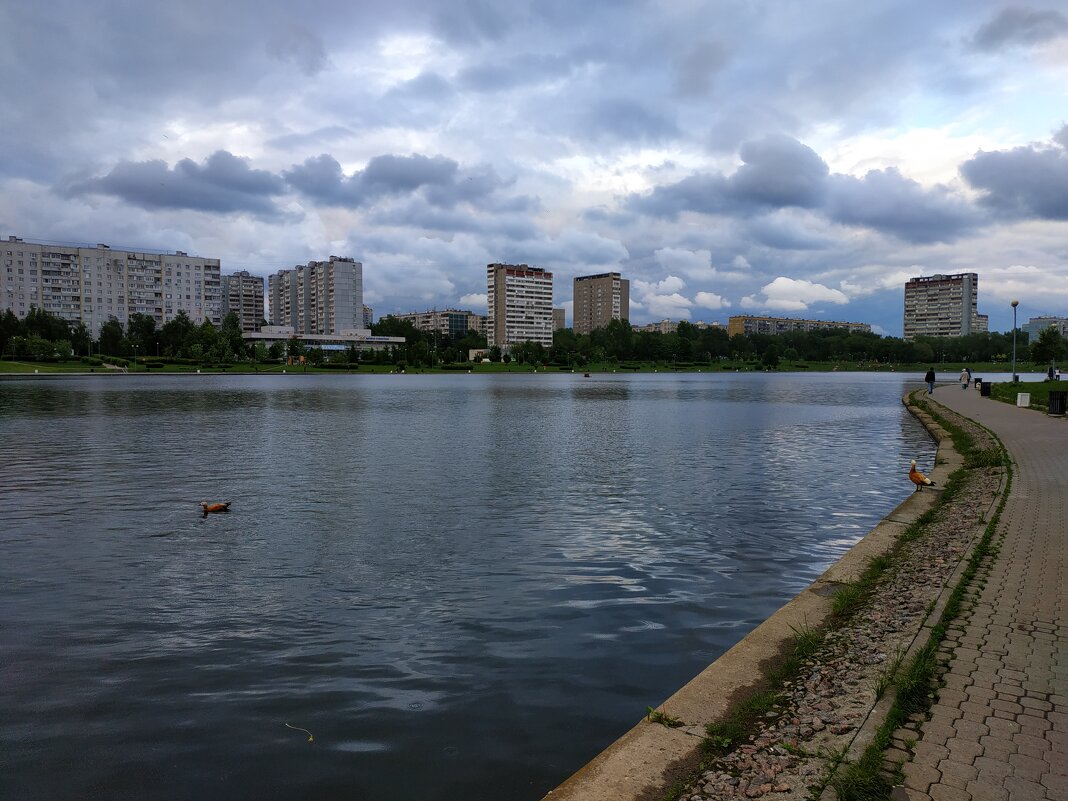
(793, 294)
(710, 300)
(694, 264)
(673, 306)
(476, 301)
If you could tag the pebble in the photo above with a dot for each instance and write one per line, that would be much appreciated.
(821, 708)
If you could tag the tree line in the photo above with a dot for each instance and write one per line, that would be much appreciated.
(42, 335)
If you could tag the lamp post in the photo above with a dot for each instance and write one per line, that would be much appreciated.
(1015, 377)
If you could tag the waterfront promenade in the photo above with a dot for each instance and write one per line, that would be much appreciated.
(999, 730)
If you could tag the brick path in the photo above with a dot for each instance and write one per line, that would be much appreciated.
(999, 731)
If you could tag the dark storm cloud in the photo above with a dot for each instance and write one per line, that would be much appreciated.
(440, 180)
(781, 173)
(1017, 25)
(1027, 182)
(886, 201)
(223, 183)
(776, 172)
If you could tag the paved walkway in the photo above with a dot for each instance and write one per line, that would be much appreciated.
(999, 731)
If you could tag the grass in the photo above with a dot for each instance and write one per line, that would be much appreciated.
(664, 719)
(870, 777)
(1006, 392)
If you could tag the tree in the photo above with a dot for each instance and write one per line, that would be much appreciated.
(771, 356)
(176, 335)
(111, 337)
(10, 327)
(231, 335)
(1049, 346)
(141, 331)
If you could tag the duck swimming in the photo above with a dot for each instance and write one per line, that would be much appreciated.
(215, 507)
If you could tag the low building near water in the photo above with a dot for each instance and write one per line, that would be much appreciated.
(360, 338)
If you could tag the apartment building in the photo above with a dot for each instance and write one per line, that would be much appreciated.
(320, 297)
(242, 294)
(520, 305)
(368, 316)
(91, 283)
(943, 306)
(598, 299)
(751, 324)
(448, 322)
(559, 319)
(1036, 325)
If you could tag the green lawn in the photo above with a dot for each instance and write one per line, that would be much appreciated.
(1006, 392)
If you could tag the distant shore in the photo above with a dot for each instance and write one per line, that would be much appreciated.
(946, 372)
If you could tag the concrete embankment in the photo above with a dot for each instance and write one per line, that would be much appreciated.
(651, 758)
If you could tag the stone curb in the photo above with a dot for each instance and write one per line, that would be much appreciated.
(648, 760)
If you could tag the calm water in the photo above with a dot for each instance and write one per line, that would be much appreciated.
(463, 586)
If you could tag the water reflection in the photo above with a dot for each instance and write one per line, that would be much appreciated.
(437, 575)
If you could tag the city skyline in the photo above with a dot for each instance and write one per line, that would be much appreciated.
(729, 159)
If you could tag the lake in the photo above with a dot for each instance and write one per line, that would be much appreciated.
(463, 586)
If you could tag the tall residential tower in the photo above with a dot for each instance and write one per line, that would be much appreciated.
(598, 299)
(320, 297)
(520, 305)
(943, 306)
(242, 294)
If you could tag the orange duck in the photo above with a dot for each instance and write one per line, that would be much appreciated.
(215, 507)
(918, 478)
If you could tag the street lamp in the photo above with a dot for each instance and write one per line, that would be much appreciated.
(1015, 377)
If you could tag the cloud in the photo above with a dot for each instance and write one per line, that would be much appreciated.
(887, 201)
(779, 171)
(1017, 25)
(296, 44)
(224, 183)
(476, 301)
(790, 294)
(662, 298)
(1027, 182)
(710, 300)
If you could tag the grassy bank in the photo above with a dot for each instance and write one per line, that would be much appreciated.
(1039, 390)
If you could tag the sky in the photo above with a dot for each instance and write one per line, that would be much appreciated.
(784, 157)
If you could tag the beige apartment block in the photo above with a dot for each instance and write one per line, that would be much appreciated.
(91, 284)
(750, 324)
(599, 299)
(559, 319)
(320, 297)
(520, 305)
(447, 322)
(943, 306)
(242, 294)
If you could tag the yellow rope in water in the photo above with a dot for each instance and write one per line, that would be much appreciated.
(311, 739)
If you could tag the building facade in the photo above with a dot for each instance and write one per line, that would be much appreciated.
(520, 305)
(90, 284)
(1036, 325)
(599, 299)
(943, 306)
(559, 319)
(242, 294)
(453, 323)
(320, 297)
(751, 324)
(368, 316)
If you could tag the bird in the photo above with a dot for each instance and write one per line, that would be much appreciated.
(215, 507)
(918, 478)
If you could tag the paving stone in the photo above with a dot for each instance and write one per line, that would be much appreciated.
(1027, 767)
(957, 774)
(943, 792)
(1024, 790)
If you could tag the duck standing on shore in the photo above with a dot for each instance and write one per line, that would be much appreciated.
(215, 507)
(918, 478)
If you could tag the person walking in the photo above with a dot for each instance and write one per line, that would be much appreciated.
(930, 379)
(965, 378)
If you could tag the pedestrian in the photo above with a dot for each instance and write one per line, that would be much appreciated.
(1049, 373)
(930, 379)
(965, 378)
(1058, 374)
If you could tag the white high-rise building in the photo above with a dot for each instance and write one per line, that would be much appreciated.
(320, 297)
(520, 305)
(90, 284)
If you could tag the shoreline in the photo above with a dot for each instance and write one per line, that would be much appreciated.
(651, 760)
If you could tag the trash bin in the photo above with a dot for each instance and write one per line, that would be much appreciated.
(1058, 399)
(978, 383)
(1023, 399)
(984, 389)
